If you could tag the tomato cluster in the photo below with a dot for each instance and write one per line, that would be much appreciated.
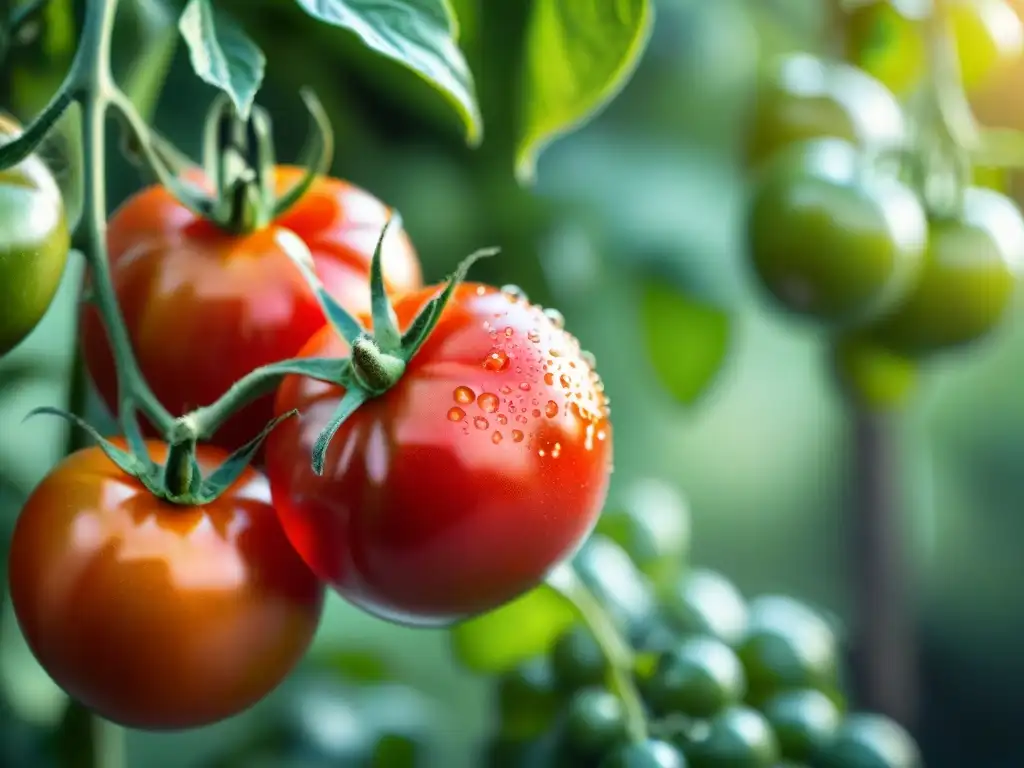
(836, 233)
(451, 492)
(724, 682)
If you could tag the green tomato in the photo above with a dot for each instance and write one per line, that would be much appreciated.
(787, 646)
(595, 722)
(971, 272)
(738, 737)
(611, 575)
(870, 375)
(528, 700)
(705, 602)
(801, 96)
(651, 523)
(832, 238)
(803, 721)
(698, 678)
(34, 244)
(869, 741)
(578, 661)
(652, 753)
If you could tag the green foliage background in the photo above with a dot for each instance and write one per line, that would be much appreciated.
(647, 193)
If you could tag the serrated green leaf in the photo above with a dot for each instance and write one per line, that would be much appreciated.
(579, 55)
(526, 627)
(419, 34)
(686, 340)
(222, 54)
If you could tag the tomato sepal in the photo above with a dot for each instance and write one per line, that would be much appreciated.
(126, 461)
(16, 149)
(353, 398)
(316, 156)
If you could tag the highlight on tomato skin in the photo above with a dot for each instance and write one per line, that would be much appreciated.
(156, 616)
(464, 484)
(204, 307)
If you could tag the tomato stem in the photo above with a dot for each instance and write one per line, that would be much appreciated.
(374, 370)
(567, 582)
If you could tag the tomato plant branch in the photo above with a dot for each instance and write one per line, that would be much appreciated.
(567, 582)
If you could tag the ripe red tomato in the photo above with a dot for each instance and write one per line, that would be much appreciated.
(204, 307)
(158, 616)
(465, 483)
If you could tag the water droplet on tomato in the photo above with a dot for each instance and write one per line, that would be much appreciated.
(514, 293)
(464, 395)
(556, 450)
(555, 352)
(525, 386)
(480, 422)
(534, 337)
(481, 290)
(556, 317)
(456, 414)
(601, 434)
(517, 436)
(551, 409)
(509, 332)
(549, 379)
(496, 438)
(542, 453)
(488, 402)
(536, 413)
(502, 419)
(497, 360)
(588, 358)
(565, 381)
(521, 419)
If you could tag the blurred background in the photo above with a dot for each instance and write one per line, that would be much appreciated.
(632, 231)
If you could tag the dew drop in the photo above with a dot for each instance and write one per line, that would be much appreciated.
(525, 386)
(565, 381)
(464, 395)
(536, 413)
(601, 434)
(481, 290)
(517, 436)
(542, 453)
(456, 414)
(502, 419)
(549, 379)
(521, 419)
(509, 332)
(497, 360)
(514, 293)
(496, 438)
(556, 317)
(534, 337)
(556, 450)
(480, 422)
(551, 409)
(488, 402)
(506, 390)
(555, 352)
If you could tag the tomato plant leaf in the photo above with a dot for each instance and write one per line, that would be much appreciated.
(222, 54)
(579, 55)
(385, 324)
(353, 398)
(125, 461)
(340, 319)
(422, 325)
(687, 340)
(419, 34)
(234, 465)
(500, 640)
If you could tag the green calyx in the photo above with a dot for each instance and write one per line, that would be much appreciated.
(239, 160)
(180, 479)
(379, 355)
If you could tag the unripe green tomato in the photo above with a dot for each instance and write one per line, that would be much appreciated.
(787, 646)
(705, 602)
(698, 678)
(652, 753)
(870, 375)
(577, 660)
(34, 243)
(738, 737)
(869, 741)
(803, 722)
(801, 96)
(595, 722)
(830, 237)
(971, 272)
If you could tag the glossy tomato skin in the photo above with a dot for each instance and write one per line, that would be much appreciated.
(156, 616)
(34, 244)
(464, 484)
(832, 239)
(204, 307)
(972, 272)
(801, 97)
